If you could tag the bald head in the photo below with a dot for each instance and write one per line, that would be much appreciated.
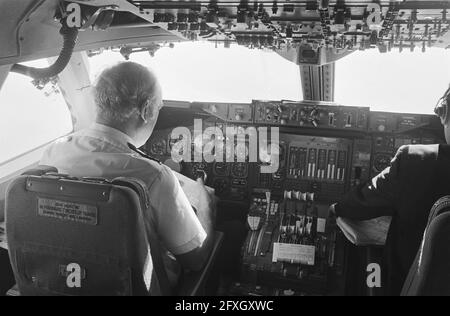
(128, 97)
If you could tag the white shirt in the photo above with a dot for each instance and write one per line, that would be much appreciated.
(102, 151)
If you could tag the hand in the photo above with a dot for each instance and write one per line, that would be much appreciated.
(210, 200)
(201, 176)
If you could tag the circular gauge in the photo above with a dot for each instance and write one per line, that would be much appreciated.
(177, 145)
(199, 143)
(381, 162)
(198, 168)
(242, 152)
(240, 170)
(158, 147)
(173, 141)
(226, 151)
(221, 169)
(221, 186)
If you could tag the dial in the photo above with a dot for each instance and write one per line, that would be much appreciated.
(240, 170)
(198, 168)
(176, 144)
(242, 152)
(158, 147)
(199, 144)
(226, 150)
(221, 169)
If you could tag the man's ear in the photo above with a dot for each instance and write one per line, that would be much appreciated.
(147, 112)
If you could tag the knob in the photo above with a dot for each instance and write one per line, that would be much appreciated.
(314, 113)
(381, 128)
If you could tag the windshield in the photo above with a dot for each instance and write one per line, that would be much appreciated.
(206, 72)
(407, 82)
(410, 82)
(29, 117)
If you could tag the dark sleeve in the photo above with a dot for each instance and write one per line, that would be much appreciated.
(378, 197)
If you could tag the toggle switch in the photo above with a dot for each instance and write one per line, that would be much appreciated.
(288, 195)
(303, 197)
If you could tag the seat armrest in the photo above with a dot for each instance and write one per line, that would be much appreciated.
(193, 283)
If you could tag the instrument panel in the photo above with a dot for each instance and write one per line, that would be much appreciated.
(322, 151)
(322, 148)
(310, 114)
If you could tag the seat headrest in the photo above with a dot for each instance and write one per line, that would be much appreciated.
(440, 207)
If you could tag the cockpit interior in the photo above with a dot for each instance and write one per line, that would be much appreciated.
(281, 107)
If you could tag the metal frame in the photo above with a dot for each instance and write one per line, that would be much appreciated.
(4, 71)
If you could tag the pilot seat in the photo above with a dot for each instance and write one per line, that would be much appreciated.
(430, 274)
(88, 237)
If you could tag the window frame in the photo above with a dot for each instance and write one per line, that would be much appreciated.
(31, 157)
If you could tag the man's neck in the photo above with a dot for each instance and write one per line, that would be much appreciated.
(124, 129)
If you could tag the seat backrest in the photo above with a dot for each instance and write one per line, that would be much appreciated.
(86, 237)
(430, 274)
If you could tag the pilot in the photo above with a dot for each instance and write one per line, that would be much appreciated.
(418, 176)
(128, 98)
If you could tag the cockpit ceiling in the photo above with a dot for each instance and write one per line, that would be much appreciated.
(319, 31)
(29, 31)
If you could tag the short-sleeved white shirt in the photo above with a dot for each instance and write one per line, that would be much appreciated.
(102, 151)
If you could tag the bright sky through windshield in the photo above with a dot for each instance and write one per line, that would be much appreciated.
(407, 82)
(393, 82)
(29, 117)
(201, 72)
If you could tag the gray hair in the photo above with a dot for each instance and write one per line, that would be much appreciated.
(123, 89)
